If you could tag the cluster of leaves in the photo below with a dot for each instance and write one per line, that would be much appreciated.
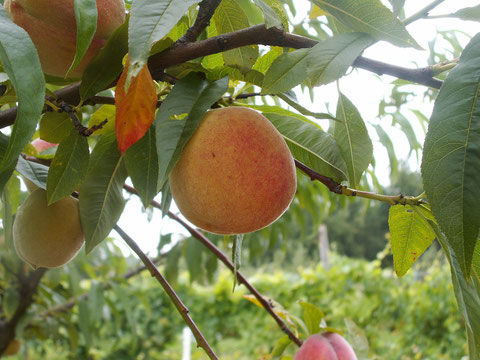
(144, 144)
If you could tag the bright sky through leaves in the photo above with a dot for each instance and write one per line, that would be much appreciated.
(363, 88)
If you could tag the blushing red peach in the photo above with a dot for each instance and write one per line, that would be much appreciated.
(326, 346)
(235, 175)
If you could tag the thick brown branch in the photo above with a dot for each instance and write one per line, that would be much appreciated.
(27, 289)
(182, 309)
(253, 35)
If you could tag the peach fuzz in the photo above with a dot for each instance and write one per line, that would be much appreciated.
(235, 175)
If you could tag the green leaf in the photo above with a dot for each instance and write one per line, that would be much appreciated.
(194, 259)
(211, 266)
(270, 10)
(86, 21)
(467, 294)
(96, 300)
(397, 6)
(14, 193)
(312, 317)
(286, 71)
(68, 167)
(11, 299)
(55, 126)
(107, 65)
(236, 256)
(387, 143)
(311, 145)
(469, 13)
(166, 198)
(410, 235)
(20, 61)
(408, 130)
(371, 17)
(172, 266)
(229, 17)
(150, 21)
(330, 59)
(10, 201)
(214, 60)
(352, 137)
(451, 157)
(290, 100)
(476, 260)
(327, 61)
(142, 164)
(280, 346)
(84, 321)
(36, 173)
(265, 61)
(100, 196)
(275, 110)
(104, 112)
(357, 339)
(192, 96)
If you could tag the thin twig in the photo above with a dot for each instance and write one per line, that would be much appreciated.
(340, 189)
(182, 309)
(422, 12)
(226, 261)
(246, 95)
(106, 100)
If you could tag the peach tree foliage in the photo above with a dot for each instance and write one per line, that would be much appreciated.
(185, 57)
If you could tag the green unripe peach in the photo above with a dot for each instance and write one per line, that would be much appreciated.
(52, 27)
(235, 175)
(326, 346)
(47, 235)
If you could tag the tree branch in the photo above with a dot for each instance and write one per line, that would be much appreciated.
(226, 261)
(205, 13)
(182, 309)
(258, 34)
(27, 289)
(422, 12)
(340, 189)
(422, 76)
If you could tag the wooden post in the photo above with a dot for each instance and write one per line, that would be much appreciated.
(323, 246)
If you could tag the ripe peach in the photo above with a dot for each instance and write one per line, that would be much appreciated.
(326, 346)
(235, 175)
(47, 235)
(51, 26)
